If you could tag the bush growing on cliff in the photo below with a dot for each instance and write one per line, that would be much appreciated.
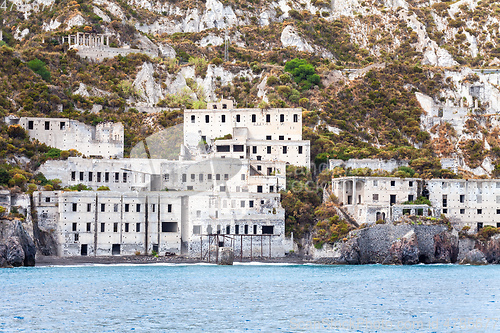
(304, 74)
(38, 66)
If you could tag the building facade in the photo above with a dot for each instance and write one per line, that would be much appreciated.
(255, 134)
(104, 140)
(126, 223)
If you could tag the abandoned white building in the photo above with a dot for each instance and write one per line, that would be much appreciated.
(175, 206)
(254, 134)
(369, 199)
(141, 174)
(104, 140)
(126, 223)
(472, 202)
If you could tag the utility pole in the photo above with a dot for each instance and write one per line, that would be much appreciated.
(226, 46)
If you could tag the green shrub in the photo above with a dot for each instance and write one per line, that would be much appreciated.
(38, 66)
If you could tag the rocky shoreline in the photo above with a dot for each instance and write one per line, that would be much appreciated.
(410, 244)
(388, 244)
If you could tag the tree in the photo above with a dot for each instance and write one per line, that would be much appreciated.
(303, 73)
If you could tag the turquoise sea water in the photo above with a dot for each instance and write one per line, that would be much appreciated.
(266, 298)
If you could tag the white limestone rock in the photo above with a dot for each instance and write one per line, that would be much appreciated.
(290, 37)
(101, 14)
(112, 7)
(167, 51)
(52, 25)
(146, 86)
(211, 39)
(19, 35)
(75, 20)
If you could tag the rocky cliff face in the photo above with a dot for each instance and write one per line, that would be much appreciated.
(16, 246)
(409, 245)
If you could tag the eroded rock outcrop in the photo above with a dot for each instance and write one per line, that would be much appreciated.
(16, 246)
(398, 244)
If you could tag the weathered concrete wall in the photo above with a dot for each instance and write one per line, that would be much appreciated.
(374, 164)
(105, 140)
(107, 223)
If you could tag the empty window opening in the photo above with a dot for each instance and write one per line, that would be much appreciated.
(47, 199)
(284, 149)
(410, 183)
(98, 177)
(462, 211)
(267, 229)
(115, 208)
(127, 208)
(89, 225)
(124, 177)
(250, 204)
(228, 229)
(76, 237)
(115, 249)
(479, 211)
(81, 176)
(269, 149)
(237, 229)
(74, 227)
(282, 117)
(73, 175)
(223, 118)
(103, 227)
(84, 250)
(47, 125)
(295, 118)
(103, 207)
(254, 118)
(138, 208)
(246, 229)
(90, 176)
(106, 177)
(259, 189)
(393, 199)
(393, 183)
(238, 118)
(169, 227)
(127, 227)
(115, 227)
(193, 119)
(30, 124)
(207, 118)
(410, 197)
(375, 197)
(238, 148)
(445, 200)
(268, 118)
(73, 207)
(169, 208)
(196, 229)
(137, 227)
(462, 198)
(255, 229)
(300, 149)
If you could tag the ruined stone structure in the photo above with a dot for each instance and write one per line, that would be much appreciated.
(180, 206)
(256, 134)
(126, 223)
(97, 47)
(369, 199)
(104, 140)
(472, 202)
(374, 164)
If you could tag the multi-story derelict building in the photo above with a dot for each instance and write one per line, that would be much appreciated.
(472, 202)
(174, 205)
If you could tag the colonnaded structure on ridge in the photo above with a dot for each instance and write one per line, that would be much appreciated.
(223, 186)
